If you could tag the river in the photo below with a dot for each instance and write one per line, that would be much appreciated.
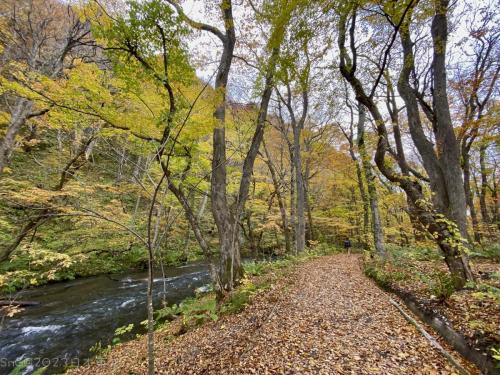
(75, 315)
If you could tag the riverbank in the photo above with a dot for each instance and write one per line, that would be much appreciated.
(322, 315)
(72, 317)
(28, 270)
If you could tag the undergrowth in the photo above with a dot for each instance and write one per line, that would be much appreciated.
(422, 267)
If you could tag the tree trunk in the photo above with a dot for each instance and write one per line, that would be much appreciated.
(455, 258)
(151, 322)
(300, 229)
(151, 246)
(446, 142)
(296, 161)
(468, 195)
(121, 164)
(496, 204)
(310, 225)
(443, 169)
(190, 216)
(249, 232)
(307, 175)
(418, 229)
(228, 224)
(293, 206)
(22, 109)
(377, 230)
(363, 194)
(484, 185)
(248, 163)
(366, 205)
(281, 201)
(400, 153)
(137, 171)
(229, 269)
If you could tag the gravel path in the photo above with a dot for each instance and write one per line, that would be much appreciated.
(325, 317)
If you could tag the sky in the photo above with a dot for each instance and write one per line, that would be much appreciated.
(205, 48)
(210, 47)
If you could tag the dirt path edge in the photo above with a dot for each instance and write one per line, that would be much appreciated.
(482, 360)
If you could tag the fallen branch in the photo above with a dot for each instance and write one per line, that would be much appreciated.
(19, 303)
(431, 339)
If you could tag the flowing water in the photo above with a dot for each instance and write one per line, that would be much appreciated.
(73, 316)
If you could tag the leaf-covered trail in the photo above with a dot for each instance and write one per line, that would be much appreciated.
(325, 317)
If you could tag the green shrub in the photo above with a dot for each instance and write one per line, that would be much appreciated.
(495, 353)
(121, 331)
(440, 284)
(192, 310)
(485, 291)
(378, 275)
(20, 368)
(417, 252)
(385, 273)
(236, 302)
(241, 297)
(254, 268)
(491, 251)
(325, 249)
(100, 351)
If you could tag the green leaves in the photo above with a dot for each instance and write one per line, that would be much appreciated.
(120, 331)
(145, 43)
(23, 365)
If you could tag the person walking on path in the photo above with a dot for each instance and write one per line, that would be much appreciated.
(347, 245)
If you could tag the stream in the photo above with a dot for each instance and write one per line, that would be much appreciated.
(75, 315)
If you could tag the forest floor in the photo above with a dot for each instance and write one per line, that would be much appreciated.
(323, 317)
(474, 311)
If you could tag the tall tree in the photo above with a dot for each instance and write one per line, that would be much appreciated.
(442, 164)
(475, 84)
(349, 135)
(297, 127)
(279, 194)
(227, 217)
(377, 230)
(449, 239)
(38, 38)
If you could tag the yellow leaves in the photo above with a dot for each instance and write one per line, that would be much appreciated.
(4, 118)
(85, 85)
(40, 257)
(269, 226)
(45, 264)
(10, 311)
(90, 81)
(21, 84)
(32, 196)
(89, 11)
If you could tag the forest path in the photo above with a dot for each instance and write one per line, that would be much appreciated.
(325, 317)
